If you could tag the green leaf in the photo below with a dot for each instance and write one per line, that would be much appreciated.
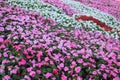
(3, 74)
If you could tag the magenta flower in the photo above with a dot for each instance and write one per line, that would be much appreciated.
(22, 61)
(63, 77)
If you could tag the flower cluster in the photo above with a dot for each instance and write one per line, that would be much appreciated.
(102, 25)
(63, 19)
(103, 17)
(33, 47)
(108, 6)
(66, 8)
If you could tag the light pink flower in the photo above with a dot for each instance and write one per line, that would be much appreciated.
(113, 73)
(6, 77)
(92, 60)
(1, 39)
(105, 76)
(116, 78)
(103, 66)
(47, 75)
(61, 65)
(32, 74)
(38, 71)
(1, 70)
(11, 56)
(77, 69)
(47, 59)
(5, 55)
(80, 60)
(27, 77)
(14, 71)
(79, 78)
(65, 68)
(94, 72)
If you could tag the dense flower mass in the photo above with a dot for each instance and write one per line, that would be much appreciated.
(111, 7)
(103, 17)
(102, 25)
(33, 47)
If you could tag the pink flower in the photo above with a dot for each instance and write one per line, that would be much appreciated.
(1, 39)
(63, 77)
(72, 45)
(11, 56)
(94, 72)
(47, 75)
(116, 78)
(1, 28)
(5, 61)
(92, 60)
(29, 57)
(5, 55)
(32, 74)
(103, 66)
(118, 63)
(6, 77)
(80, 60)
(53, 78)
(73, 63)
(105, 76)
(51, 62)
(77, 69)
(61, 65)
(27, 77)
(79, 78)
(38, 71)
(66, 69)
(14, 71)
(29, 69)
(47, 59)
(82, 51)
(113, 73)
(22, 62)
(1, 70)
(84, 64)
(39, 54)
(55, 71)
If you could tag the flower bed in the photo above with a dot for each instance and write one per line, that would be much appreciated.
(103, 17)
(33, 47)
(62, 19)
(66, 8)
(108, 6)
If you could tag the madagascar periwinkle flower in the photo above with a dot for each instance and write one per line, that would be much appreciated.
(44, 43)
